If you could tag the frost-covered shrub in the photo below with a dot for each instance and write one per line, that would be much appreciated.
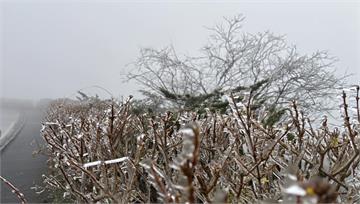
(100, 151)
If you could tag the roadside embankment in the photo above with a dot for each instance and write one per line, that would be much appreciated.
(12, 131)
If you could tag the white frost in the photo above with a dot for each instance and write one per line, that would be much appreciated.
(95, 163)
(113, 161)
(51, 123)
(295, 190)
(188, 131)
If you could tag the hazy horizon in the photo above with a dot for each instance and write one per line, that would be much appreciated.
(52, 49)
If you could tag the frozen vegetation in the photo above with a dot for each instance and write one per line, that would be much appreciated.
(237, 124)
(106, 151)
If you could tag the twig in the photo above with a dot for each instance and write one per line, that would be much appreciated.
(14, 190)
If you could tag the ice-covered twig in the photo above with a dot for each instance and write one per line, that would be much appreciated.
(14, 190)
(113, 161)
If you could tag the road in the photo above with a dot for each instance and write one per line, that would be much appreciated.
(19, 165)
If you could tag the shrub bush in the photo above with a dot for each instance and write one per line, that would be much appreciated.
(101, 151)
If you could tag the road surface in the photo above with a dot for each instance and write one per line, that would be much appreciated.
(19, 165)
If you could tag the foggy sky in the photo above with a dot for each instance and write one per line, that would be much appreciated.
(52, 49)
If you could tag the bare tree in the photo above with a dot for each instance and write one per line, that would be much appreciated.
(234, 60)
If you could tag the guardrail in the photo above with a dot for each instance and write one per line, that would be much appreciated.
(12, 131)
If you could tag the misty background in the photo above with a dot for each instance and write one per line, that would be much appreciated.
(51, 49)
